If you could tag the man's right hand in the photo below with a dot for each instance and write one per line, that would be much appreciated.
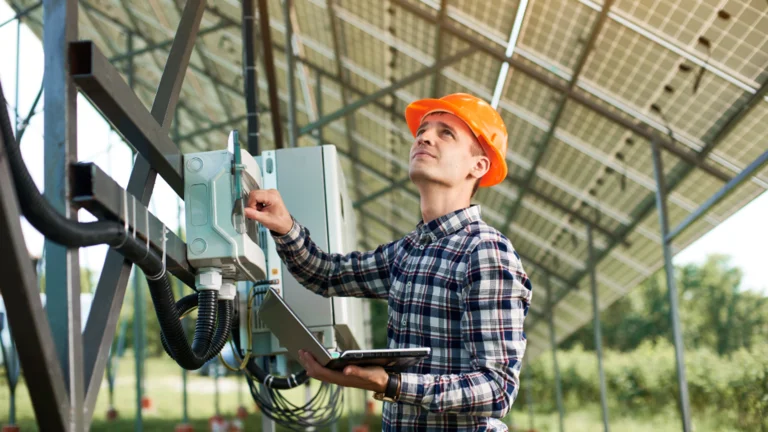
(267, 208)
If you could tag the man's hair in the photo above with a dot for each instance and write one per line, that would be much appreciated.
(476, 150)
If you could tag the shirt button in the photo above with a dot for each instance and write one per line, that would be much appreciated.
(408, 285)
(421, 247)
(404, 321)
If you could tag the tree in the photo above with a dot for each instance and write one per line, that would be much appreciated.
(715, 312)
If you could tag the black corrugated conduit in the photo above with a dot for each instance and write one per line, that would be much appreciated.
(73, 234)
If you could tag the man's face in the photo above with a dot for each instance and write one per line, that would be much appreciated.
(446, 152)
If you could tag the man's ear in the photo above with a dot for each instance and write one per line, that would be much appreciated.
(480, 166)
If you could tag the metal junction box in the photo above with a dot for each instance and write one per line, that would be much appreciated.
(311, 182)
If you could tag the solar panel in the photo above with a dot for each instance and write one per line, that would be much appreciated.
(680, 65)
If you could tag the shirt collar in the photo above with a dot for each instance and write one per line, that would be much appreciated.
(447, 224)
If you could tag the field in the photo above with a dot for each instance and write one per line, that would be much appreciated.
(163, 386)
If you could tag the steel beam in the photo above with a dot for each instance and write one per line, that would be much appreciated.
(542, 147)
(22, 13)
(176, 66)
(207, 68)
(222, 25)
(138, 343)
(439, 45)
(349, 119)
(212, 128)
(102, 84)
(97, 192)
(60, 149)
(596, 325)
(530, 398)
(28, 323)
(383, 191)
(100, 328)
(269, 68)
(551, 81)
(573, 213)
(553, 342)
(577, 216)
(291, 65)
(669, 269)
(523, 257)
(386, 91)
(674, 179)
(319, 100)
(250, 83)
(720, 195)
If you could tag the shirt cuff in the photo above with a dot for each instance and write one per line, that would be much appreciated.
(291, 238)
(411, 388)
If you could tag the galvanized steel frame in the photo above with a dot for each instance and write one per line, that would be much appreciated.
(64, 389)
(52, 385)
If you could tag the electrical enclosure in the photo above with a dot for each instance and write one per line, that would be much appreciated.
(312, 185)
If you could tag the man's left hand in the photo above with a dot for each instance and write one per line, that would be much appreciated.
(373, 378)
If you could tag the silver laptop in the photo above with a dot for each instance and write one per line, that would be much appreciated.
(295, 336)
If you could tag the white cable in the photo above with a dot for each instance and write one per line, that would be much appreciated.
(125, 219)
(134, 215)
(162, 271)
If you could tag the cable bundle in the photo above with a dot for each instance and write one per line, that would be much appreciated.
(321, 411)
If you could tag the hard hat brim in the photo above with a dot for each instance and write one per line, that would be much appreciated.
(415, 113)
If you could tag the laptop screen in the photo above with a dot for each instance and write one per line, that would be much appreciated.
(293, 335)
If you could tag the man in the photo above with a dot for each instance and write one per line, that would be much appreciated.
(454, 284)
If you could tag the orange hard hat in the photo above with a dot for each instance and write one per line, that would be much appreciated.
(484, 121)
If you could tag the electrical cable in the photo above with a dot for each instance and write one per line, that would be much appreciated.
(323, 409)
(74, 234)
(320, 411)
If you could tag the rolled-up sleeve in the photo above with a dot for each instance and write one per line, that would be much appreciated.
(495, 303)
(357, 274)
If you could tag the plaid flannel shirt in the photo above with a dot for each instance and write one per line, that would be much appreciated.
(454, 284)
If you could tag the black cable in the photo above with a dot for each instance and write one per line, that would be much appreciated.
(324, 408)
(74, 234)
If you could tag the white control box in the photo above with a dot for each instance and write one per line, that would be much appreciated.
(312, 185)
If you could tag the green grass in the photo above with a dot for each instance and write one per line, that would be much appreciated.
(588, 418)
(163, 386)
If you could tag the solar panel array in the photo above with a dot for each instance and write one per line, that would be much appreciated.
(685, 67)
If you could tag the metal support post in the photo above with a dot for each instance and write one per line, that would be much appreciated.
(319, 101)
(439, 46)
(291, 62)
(596, 324)
(21, 294)
(60, 136)
(138, 345)
(216, 401)
(558, 384)
(250, 81)
(185, 324)
(99, 330)
(267, 424)
(677, 331)
(269, 69)
(10, 358)
(16, 89)
(530, 398)
(11, 363)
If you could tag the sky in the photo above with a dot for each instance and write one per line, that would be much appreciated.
(735, 237)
